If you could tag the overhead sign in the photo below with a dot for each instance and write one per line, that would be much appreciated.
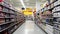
(28, 11)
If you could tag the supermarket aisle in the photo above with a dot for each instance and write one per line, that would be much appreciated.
(29, 28)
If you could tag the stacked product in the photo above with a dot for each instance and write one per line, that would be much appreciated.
(8, 18)
(56, 16)
(49, 17)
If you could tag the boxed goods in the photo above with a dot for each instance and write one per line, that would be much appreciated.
(12, 19)
(11, 11)
(7, 15)
(56, 14)
(52, 5)
(2, 14)
(1, 8)
(2, 21)
(57, 3)
(12, 16)
(7, 20)
(52, 1)
(5, 10)
(56, 9)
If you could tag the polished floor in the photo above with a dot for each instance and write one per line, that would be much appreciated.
(29, 27)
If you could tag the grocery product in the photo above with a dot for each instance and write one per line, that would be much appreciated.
(2, 21)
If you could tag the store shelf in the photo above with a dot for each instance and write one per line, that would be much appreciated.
(41, 28)
(9, 13)
(9, 18)
(1, 17)
(15, 28)
(8, 27)
(6, 22)
(56, 23)
(51, 8)
(57, 28)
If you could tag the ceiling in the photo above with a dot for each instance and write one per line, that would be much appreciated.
(27, 3)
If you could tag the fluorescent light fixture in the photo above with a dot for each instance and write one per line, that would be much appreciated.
(22, 3)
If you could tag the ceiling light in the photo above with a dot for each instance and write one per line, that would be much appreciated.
(22, 3)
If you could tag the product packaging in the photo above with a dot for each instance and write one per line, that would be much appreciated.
(2, 21)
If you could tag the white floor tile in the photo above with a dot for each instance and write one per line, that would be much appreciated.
(29, 27)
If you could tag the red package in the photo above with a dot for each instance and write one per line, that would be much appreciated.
(1, 8)
(1, 0)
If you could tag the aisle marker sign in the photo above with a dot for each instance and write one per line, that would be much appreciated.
(28, 11)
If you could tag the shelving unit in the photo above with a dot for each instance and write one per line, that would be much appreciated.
(56, 16)
(10, 18)
(49, 22)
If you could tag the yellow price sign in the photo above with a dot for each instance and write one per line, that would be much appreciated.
(28, 11)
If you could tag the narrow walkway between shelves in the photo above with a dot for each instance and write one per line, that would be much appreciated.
(29, 27)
